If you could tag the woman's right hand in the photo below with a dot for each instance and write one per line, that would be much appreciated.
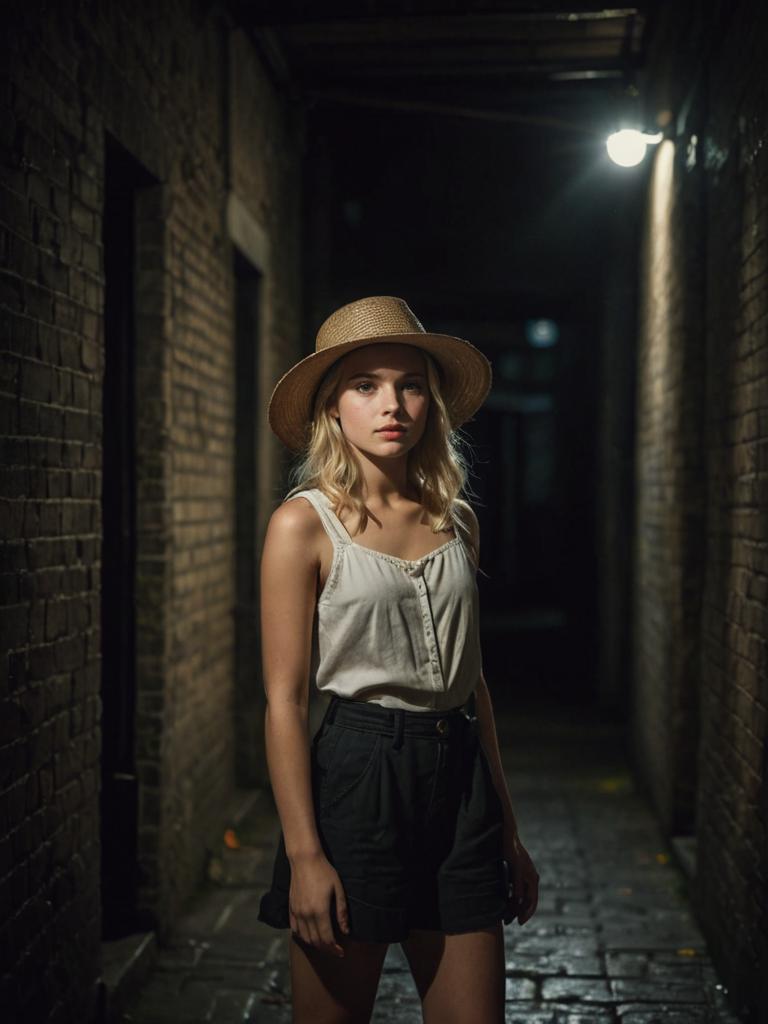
(314, 881)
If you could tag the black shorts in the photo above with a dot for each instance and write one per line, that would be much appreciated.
(408, 815)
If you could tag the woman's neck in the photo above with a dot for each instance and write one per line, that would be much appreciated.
(384, 480)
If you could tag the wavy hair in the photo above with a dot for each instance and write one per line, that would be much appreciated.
(437, 468)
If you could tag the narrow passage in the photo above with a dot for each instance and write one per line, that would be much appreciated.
(613, 939)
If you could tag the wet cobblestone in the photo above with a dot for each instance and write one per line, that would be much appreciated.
(614, 939)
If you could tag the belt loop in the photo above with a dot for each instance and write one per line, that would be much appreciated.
(397, 740)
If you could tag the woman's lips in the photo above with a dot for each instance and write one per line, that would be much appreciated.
(391, 434)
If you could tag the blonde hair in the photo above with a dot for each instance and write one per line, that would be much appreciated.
(437, 465)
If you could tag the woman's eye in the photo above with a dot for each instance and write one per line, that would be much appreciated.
(365, 387)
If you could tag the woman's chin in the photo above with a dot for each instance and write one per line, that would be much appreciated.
(384, 449)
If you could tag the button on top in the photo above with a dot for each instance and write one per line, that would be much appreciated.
(416, 569)
(441, 725)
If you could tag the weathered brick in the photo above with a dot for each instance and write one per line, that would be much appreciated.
(14, 627)
(11, 517)
(700, 618)
(71, 79)
(9, 588)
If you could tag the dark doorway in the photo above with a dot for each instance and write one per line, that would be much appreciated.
(534, 477)
(248, 721)
(123, 177)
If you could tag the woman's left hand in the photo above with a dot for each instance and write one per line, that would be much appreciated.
(523, 876)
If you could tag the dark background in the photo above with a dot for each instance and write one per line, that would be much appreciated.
(483, 226)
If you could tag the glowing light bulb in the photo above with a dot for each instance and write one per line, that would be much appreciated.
(627, 147)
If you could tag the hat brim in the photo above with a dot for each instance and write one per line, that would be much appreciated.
(466, 372)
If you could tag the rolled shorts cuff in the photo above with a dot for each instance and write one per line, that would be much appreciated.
(370, 922)
(476, 911)
(273, 909)
(367, 921)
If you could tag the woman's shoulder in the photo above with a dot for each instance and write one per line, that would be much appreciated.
(295, 519)
(467, 526)
(463, 511)
(303, 497)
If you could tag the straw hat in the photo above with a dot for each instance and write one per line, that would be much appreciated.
(466, 372)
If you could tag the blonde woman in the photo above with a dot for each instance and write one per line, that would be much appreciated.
(397, 824)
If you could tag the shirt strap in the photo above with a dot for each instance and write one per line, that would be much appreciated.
(330, 521)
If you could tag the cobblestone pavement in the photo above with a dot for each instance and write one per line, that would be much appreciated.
(613, 939)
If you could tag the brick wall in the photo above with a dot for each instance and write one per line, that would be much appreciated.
(172, 84)
(701, 619)
(733, 798)
(670, 494)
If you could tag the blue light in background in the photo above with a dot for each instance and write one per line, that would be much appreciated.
(541, 333)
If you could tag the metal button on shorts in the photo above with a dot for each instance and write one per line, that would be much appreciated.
(408, 814)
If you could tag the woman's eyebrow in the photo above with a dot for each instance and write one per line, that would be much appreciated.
(377, 376)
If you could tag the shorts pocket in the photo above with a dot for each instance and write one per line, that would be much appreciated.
(344, 758)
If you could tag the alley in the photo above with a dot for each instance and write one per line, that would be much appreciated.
(613, 938)
(188, 190)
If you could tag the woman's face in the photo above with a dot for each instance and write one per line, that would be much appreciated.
(382, 385)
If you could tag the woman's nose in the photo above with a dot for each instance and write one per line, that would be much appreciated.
(390, 399)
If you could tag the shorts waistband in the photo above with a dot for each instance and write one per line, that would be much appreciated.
(367, 715)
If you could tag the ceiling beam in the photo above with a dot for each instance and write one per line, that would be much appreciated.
(463, 28)
(260, 14)
(450, 110)
(538, 70)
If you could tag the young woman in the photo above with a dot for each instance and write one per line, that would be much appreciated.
(397, 824)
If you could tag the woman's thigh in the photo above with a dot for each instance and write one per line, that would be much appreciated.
(326, 989)
(460, 978)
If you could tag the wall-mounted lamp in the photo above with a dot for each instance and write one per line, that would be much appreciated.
(627, 147)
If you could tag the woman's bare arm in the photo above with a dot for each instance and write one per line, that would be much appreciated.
(525, 876)
(486, 727)
(288, 592)
(289, 567)
(486, 722)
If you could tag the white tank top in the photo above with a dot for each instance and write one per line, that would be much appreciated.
(403, 633)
